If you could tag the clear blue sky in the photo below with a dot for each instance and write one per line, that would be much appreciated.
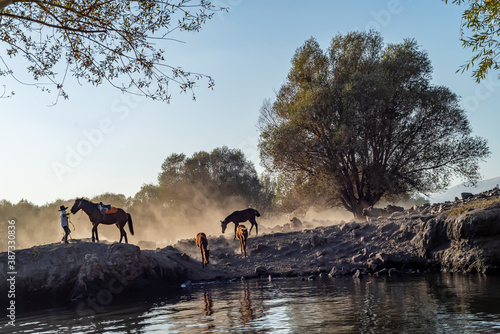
(248, 52)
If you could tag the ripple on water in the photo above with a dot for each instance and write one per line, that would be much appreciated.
(437, 303)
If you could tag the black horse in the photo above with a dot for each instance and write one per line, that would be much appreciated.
(239, 217)
(120, 218)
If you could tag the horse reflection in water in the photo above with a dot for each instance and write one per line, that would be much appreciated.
(246, 310)
(207, 319)
(207, 305)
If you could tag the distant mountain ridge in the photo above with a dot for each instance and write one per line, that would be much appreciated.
(451, 193)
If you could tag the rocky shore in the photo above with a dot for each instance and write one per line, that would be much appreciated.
(461, 236)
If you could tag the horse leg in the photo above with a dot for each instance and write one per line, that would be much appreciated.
(254, 222)
(235, 228)
(121, 232)
(202, 257)
(124, 234)
(96, 234)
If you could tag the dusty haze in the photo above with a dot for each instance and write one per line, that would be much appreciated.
(152, 224)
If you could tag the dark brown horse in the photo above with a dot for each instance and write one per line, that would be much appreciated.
(239, 217)
(120, 218)
(202, 244)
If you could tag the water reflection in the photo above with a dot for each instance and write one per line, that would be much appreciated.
(67, 320)
(207, 307)
(431, 303)
(207, 319)
(246, 305)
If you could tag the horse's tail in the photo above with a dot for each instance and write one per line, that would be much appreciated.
(130, 225)
(257, 214)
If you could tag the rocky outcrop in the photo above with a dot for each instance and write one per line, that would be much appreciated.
(81, 269)
(466, 242)
(462, 236)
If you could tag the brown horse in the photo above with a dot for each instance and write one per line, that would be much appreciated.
(239, 217)
(202, 244)
(242, 235)
(120, 218)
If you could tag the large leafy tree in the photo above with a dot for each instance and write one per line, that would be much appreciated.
(119, 42)
(208, 178)
(298, 193)
(481, 22)
(363, 121)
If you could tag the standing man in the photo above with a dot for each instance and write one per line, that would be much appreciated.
(64, 223)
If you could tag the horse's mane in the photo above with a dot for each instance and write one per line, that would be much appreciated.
(85, 200)
(226, 219)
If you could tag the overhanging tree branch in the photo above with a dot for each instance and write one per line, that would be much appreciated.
(113, 41)
(481, 24)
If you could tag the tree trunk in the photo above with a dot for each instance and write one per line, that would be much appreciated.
(358, 211)
(356, 206)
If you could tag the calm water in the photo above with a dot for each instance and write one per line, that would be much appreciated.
(430, 303)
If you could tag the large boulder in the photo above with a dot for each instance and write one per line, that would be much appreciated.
(394, 208)
(317, 241)
(466, 195)
(379, 212)
(374, 212)
(296, 224)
